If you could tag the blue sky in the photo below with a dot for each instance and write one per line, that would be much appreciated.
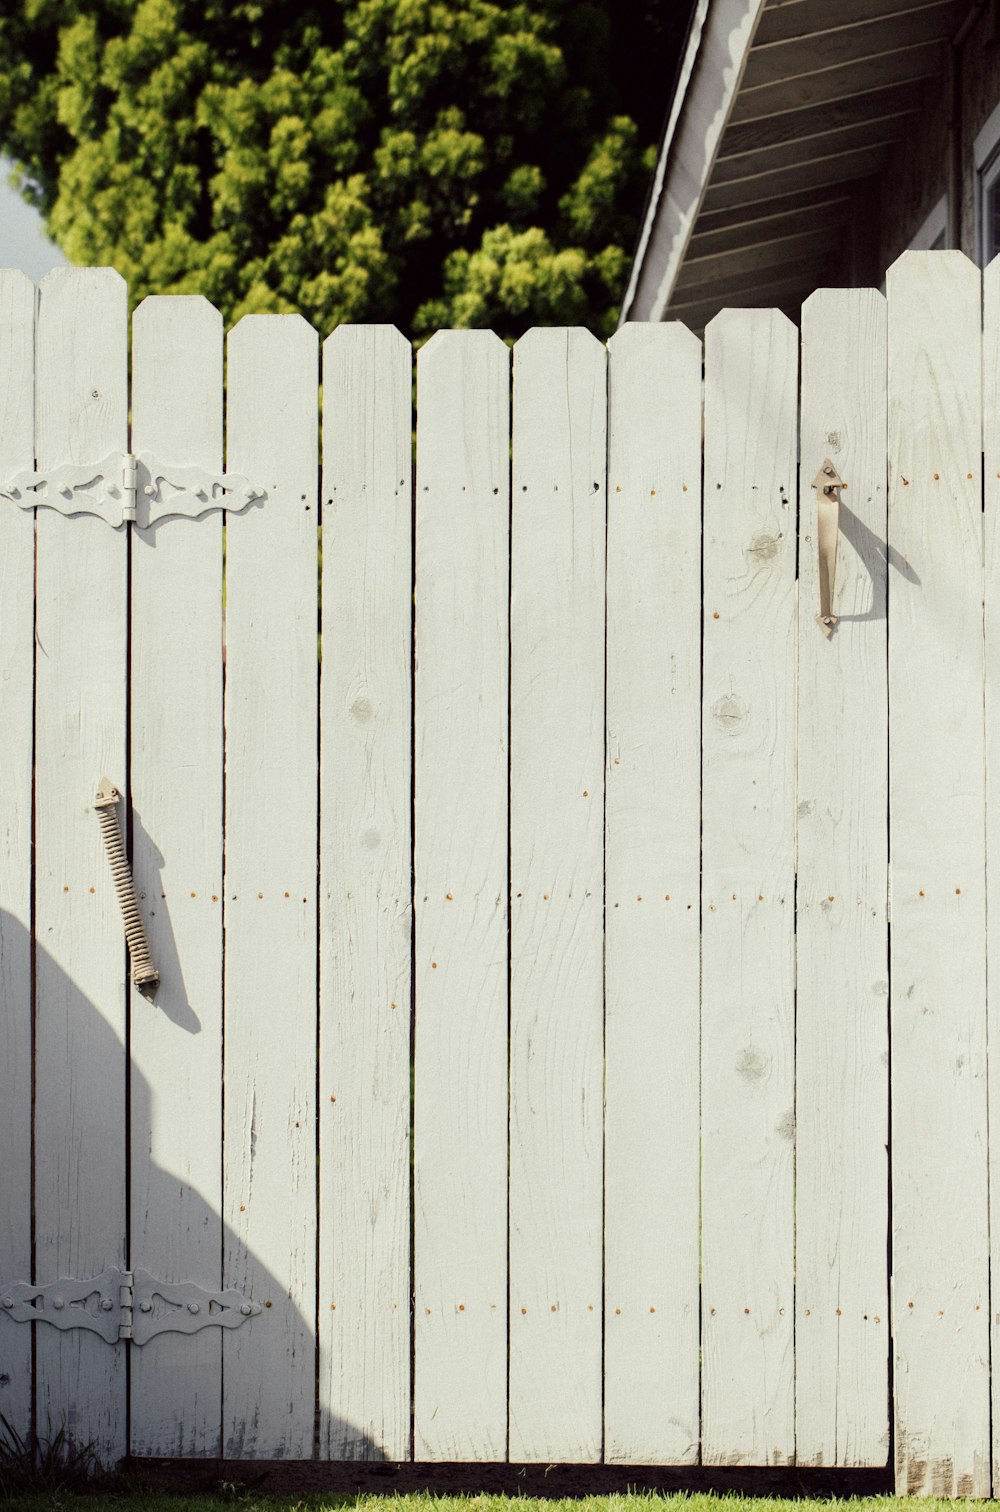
(23, 243)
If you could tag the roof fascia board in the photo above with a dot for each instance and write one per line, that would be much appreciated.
(722, 33)
(695, 31)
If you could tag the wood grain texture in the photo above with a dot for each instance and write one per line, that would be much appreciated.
(823, 43)
(80, 736)
(991, 522)
(842, 967)
(652, 860)
(460, 1118)
(748, 898)
(176, 782)
(17, 609)
(366, 910)
(938, 1005)
(556, 842)
(271, 750)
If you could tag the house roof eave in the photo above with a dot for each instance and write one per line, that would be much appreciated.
(719, 42)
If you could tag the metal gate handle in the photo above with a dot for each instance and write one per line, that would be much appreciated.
(144, 973)
(827, 484)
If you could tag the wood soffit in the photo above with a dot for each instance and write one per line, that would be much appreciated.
(828, 88)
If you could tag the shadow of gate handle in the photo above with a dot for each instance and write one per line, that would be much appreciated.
(144, 973)
(827, 484)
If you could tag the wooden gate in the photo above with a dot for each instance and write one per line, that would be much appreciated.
(539, 1020)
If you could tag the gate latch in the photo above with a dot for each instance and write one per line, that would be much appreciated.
(827, 484)
(124, 488)
(125, 1304)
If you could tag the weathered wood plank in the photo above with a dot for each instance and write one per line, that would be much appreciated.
(842, 967)
(940, 1248)
(897, 66)
(460, 1116)
(795, 151)
(819, 43)
(768, 259)
(833, 167)
(80, 736)
(17, 610)
(176, 784)
(748, 889)
(271, 749)
(729, 285)
(365, 922)
(801, 125)
(791, 19)
(991, 522)
(784, 294)
(652, 860)
(724, 228)
(556, 864)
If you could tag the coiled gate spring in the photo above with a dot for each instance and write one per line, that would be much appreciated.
(144, 973)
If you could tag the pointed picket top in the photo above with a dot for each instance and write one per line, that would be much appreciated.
(650, 334)
(13, 280)
(177, 368)
(85, 276)
(292, 327)
(846, 297)
(17, 368)
(383, 333)
(575, 337)
(949, 258)
(367, 372)
(82, 365)
(750, 316)
(470, 340)
(192, 306)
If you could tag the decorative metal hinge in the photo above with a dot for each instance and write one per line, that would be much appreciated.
(125, 1304)
(126, 488)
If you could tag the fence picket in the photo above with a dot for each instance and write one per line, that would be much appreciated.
(653, 848)
(365, 928)
(80, 725)
(17, 599)
(940, 1249)
(176, 783)
(460, 1121)
(748, 888)
(269, 1174)
(556, 869)
(842, 967)
(991, 522)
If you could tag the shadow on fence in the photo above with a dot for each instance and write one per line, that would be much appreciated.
(44, 1390)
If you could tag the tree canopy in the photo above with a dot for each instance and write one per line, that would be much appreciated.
(429, 162)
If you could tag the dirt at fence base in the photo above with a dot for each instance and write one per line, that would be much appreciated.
(352, 1476)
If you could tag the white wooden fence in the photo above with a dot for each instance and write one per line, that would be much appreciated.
(620, 890)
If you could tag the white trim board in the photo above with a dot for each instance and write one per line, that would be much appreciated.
(721, 38)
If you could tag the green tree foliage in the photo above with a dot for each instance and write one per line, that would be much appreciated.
(430, 162)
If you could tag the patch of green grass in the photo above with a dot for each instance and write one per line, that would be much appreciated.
(35, 1466)
(133, 1495)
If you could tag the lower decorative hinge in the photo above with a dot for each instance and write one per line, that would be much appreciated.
(125, 1304)
(125, 488)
